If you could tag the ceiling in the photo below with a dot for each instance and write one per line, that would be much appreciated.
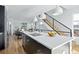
(17, 14)
(27, 12)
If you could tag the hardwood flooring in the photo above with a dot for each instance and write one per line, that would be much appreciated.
(15, 46)
(75, 48)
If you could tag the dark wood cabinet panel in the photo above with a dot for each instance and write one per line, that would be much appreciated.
(2, 27)
(2, 15)
(33, 47)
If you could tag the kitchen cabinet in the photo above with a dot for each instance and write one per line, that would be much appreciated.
(2, 25)
(42, 43)
(33, 47)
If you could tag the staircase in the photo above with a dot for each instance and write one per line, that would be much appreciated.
(57, 26)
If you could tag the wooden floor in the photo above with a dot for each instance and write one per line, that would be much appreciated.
(75, 48)
(15, 46)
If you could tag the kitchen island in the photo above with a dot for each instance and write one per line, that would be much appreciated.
(40, 42)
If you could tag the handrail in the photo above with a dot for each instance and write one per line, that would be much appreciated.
(58, 21)
(70, 31)
(51, 27)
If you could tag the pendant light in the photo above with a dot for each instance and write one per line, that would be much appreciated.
(58, 11)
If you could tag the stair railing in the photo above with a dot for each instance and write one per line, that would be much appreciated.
(57, 26)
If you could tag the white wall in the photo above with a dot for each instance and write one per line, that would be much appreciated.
(18, 14)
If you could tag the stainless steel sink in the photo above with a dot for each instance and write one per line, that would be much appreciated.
(36, 34)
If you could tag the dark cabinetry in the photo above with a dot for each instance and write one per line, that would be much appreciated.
(2, 18)
(2, 15)
(33, 47)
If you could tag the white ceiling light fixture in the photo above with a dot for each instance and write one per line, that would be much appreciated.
(35, 19)
(58, 11)
(41, 23)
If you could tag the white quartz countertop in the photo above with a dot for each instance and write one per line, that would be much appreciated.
(49, 42)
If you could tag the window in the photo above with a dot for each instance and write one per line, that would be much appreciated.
(76, 19)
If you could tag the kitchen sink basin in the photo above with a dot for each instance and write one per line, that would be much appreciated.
(36, 34)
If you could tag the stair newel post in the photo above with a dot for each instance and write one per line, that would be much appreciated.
(70, 33)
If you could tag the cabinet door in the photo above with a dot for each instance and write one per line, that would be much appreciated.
(33, 47)
(2, 13)
(2, 25)
(30, 45)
